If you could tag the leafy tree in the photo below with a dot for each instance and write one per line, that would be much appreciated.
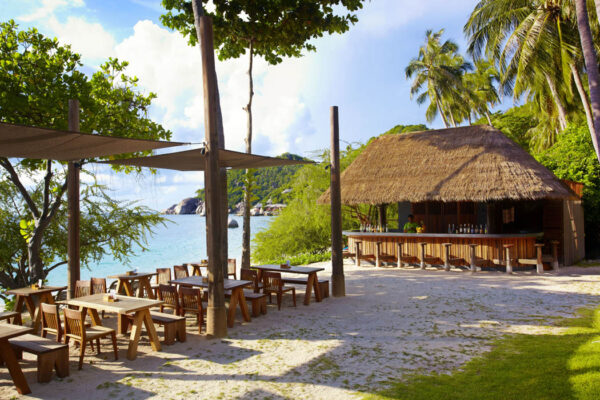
(271, 29)
(480, 84)
(37, 78)
(573, 157)
(438, 72)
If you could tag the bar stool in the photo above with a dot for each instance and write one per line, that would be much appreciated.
(422, 253)
(399, 249)
(554, 254)
(507, 248)
(357, 252)
(472, 257)
(378, 254)
(539, 265)
(447, 256)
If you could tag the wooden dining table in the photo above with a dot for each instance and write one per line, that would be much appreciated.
(312, 281)
(237, 294)
(9, 357)
(125, 284)
(140, 308)
(30, 298)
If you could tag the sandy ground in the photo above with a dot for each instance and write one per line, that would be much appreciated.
(390, 322)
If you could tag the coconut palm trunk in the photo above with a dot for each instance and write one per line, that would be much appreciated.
(441, 111)
(489, 118)
(591, 65)
(584, 97)
(562, 114)
(247, 192)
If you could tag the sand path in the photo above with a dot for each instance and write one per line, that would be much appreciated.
(391, 322)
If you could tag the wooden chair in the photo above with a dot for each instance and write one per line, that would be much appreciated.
(180, 271)
(272, 283)
(251, 275)
(231, 268)
(75, 329)
(191, 302)
(51, 322)
(83, 288)
(169, 295)
(99, 286)
(163, 275)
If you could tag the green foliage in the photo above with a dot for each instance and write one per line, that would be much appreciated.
(275, 28)
(573, 157)
(516, 123)
(564, 364)
(267, 183)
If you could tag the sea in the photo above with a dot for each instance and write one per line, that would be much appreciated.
(182, 240)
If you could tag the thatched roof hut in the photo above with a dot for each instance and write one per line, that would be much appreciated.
(473, 163)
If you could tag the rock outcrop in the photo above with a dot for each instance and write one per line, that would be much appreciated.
(191, 205)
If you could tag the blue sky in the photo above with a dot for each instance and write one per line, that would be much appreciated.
(361, 71)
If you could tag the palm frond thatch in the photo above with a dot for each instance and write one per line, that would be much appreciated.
(473, 163)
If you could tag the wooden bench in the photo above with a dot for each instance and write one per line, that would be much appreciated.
(323, 284)
(11, 315)
(174, 326)
(50, 355)
(259, 302)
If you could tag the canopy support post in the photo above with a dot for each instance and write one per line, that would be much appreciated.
(338, 285)
(73, 270)
(216, 316)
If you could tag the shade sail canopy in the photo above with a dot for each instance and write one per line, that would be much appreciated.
(50, 144)
(195, 160)
(474, 163)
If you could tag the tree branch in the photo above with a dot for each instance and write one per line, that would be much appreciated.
(47, 180)
(58, 264)
(14, 177)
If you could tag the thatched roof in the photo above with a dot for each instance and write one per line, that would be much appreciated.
(474, 163)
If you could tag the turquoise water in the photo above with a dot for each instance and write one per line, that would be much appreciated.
(181, 241)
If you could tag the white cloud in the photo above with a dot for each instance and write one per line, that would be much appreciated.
(47, 9)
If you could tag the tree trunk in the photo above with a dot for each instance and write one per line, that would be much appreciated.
(584, 97)
(452, 119)
(562, 114)
(489, 118)
(247, 191)
(591, 65)
(441, 111)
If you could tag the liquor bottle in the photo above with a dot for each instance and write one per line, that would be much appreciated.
(453, 230)
(486, 229)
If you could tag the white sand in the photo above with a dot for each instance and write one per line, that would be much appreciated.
(391, 321)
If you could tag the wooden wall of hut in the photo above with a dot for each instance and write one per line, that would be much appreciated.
(438, 215)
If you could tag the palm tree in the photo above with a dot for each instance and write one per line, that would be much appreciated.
(591, 63)
(438, 74)
(528, 39)
(480, 88)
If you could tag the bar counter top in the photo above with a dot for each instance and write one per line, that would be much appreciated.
(357, 234)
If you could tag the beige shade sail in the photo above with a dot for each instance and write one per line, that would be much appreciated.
(471, 163)
(194, 160)
(50, 144)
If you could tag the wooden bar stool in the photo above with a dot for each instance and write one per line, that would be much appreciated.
(447, 256)
(357, 252)
(422, 253)
(378, 254)
(539, 263)
(507, 248)
(554, 254)
(399, 249)
(472, 257)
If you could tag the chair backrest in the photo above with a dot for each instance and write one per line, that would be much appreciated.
(98, 285)
(74, 323)
(51, 317)
(248, 274)
(169, 295)
(163, 275)
(191, 298)
(231, 265)
(83, 288)
(180, 271)
(272, 280)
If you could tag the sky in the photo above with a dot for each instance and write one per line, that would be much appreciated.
(361, 71)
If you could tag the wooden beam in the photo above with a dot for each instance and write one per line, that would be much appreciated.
(73, 223)
(216, 316)
(338, 285)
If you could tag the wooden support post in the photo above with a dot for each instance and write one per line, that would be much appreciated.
(472, 257)
(538, 258)
(357, 254)
(400, 248)
(381, 215)
(378, 254)
(447, 256)
(338, 285)
(422, 253)
(216, 315)
(554, 254)
(73, 223)
(507, 248)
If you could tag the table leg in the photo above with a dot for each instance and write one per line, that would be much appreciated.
(154, 341)
(8, 355)
(196, 270)
(317, 287)
(134, 338)
(242, 302)
(231, 311)
(96, 321)
(145, 285)
(37, 315)
(309, 287)
(19, 301)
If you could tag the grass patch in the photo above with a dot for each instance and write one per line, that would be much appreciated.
(564, 365)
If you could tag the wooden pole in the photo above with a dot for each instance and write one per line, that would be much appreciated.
(338, 285)
(73, 208)
(216, 316)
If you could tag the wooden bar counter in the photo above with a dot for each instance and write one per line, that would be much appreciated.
(489, 249)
